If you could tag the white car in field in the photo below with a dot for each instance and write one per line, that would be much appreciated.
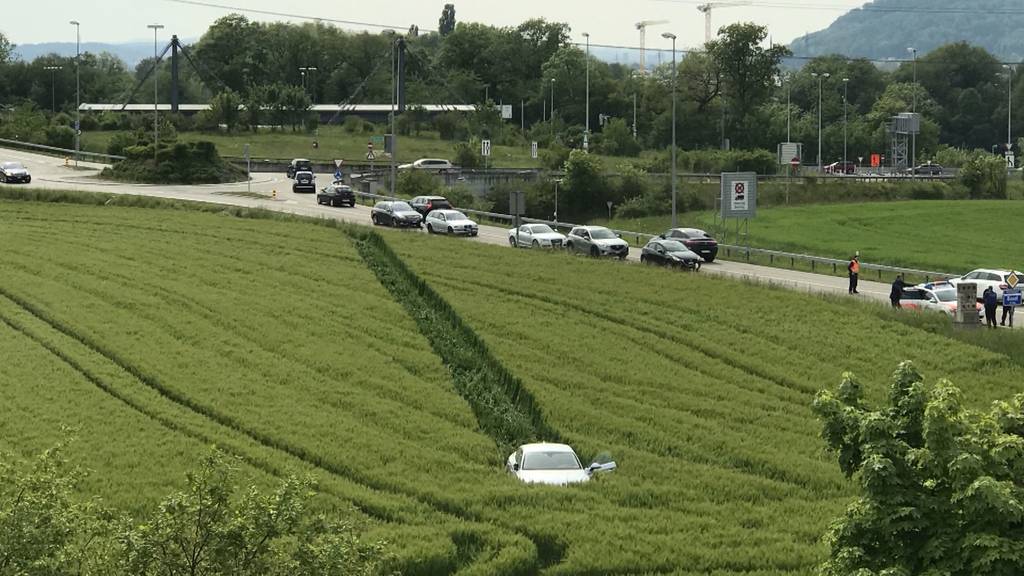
(535, 236)
(552, 464)
(450, 222)
(430, 164)
(985, 278)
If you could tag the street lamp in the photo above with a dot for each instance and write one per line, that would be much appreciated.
(53, 97)
(913, 136)
(675, 72)
(156, 96)
(846, 94)
(552, 99)
(586, 135)
(78, 87)
(820, 77)
(310, 69)
(1009, 107)
(557, 182)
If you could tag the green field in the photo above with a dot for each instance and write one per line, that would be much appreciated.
(945, 236)
(159, 332)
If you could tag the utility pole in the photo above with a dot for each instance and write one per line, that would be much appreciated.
(675, 73)
(78, 89)
(552, 109)
(586, 141)
(53, 90)
(156, 95)
(789, 107)
(394, 112)
(310, 69)
(846, 93)
(1009, 107)
(820, 77)
(913, 136)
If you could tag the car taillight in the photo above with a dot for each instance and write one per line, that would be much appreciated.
(429, 207)
(1004, 286)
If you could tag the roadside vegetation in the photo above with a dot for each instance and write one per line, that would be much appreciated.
(176, 163)
(297, 347)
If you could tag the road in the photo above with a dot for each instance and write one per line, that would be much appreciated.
(50, 172)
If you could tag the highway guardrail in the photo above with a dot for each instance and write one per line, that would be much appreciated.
(65, 152)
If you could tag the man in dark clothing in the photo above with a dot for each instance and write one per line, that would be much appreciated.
(897, 291)
(854, 270)
(988, 297)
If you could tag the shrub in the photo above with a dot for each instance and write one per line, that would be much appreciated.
(121, 141)
(60, 136)
(984, 175)
(181, 163)
(617, 139)
(417, 183)
(90, 123)
(354, 125)
(554, 157)
(466, 155)
(451, 126)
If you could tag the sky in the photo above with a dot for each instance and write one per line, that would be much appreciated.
(608, 21)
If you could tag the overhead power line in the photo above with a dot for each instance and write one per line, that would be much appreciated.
(864, 8)
(243, 10)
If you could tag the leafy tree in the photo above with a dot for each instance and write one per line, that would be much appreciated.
(417, 183)
(224, 109)
(984, 175)
(942, 486)
(617, 139)
(585, 187)
(6, 49)
(748, 71)
(446, 24)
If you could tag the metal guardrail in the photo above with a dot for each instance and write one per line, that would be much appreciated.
(60, 151)
(729, 249)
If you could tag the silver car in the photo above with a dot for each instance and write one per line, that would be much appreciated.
(596, 241)
(450, 222)
(553, 464)
(535, 236)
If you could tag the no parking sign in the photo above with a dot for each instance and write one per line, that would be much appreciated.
(739, 194)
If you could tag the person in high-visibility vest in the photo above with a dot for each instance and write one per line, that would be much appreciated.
(854, 270)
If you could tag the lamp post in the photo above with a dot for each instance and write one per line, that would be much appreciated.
(53, 90)
(913, 136)
(552, 109)
(1009, 107)
(846, 93)
(586, 134)
(789, 107)
(78, 87)
(675, 72)
(310, 69)
(820, 77)
(557, 182)
(156, 112)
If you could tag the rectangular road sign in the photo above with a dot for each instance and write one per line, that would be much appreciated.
(485, 148)
(788, 151)
(533, 150)
(1013, 298)
(517, 203)
(876, 160)
(739, 194)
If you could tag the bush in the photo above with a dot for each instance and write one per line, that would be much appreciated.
(554, 157)
(984, 176)
(714, 161)
(617, 139)
(451, 126)
(121, 141)
(60, 136)
(90, 123)
(417, 183)
(354, 125)
(181, 163)
(466, 155)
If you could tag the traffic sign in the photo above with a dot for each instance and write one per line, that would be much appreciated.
(1012, 280)
(586, 142)
(1012, 298)
(370, 156)
(533, 150)
(485, 148)
(337, 163)
(795, 162)
(876, 160)
(338, 175)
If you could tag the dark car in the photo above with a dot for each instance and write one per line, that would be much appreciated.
(299, 165)
(337, 195)
(424, 204)
(305, 181)
(14, 172)
(927, 170)
(696, 240)
(671, 253)
(396, 214)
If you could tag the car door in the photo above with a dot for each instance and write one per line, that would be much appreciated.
(525, 235)
(442, 223)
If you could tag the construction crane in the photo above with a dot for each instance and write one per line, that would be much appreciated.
(706, 9)
(642, 27)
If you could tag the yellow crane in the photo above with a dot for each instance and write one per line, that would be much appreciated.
(706, 9)
(642, 27)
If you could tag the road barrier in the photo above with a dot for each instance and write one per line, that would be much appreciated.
(61, 152)
(775, 257)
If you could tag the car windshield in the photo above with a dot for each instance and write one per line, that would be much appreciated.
(401, 207)
(455, 216)
(542, 229)
(674, 246)
(13, 165)
(551, 461)
(946, 295)
(602, 234)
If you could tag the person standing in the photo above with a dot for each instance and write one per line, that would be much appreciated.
(896, 294)
(988, 298)
(853, 268)
(1007, 313)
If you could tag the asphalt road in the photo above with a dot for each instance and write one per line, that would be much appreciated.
(50, 172)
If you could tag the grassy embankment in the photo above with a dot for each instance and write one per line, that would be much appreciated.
(158, 332)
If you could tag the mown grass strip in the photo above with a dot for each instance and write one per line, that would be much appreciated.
(504, 408)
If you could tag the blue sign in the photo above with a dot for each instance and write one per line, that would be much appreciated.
(337, 175)
(1012, 298)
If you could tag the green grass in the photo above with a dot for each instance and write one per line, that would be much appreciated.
(162, 331)
(944, 236)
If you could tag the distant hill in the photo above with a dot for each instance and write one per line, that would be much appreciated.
(131, 53)
(883, 29)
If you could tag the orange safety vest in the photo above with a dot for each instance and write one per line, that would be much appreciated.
(854, 267)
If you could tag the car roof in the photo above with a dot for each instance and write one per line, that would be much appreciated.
(695, 230)
(546, 447)
(592, 228)
(432, 160)
(446, 212)
(434, 198)
(297, 160)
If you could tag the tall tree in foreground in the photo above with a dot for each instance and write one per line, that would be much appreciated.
(942, 486)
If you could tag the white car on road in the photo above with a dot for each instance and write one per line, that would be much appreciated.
(535, 236)
(985, 278)
(430, 164)
(553, 464)
(937, 296)
(596, 241)
(450, 222)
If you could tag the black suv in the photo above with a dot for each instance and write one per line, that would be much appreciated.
(305, 181)
(337, 195)
(424, 204)
(927, 170)
(299, 165)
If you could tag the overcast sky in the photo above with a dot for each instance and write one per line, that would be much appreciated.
(607, 21)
